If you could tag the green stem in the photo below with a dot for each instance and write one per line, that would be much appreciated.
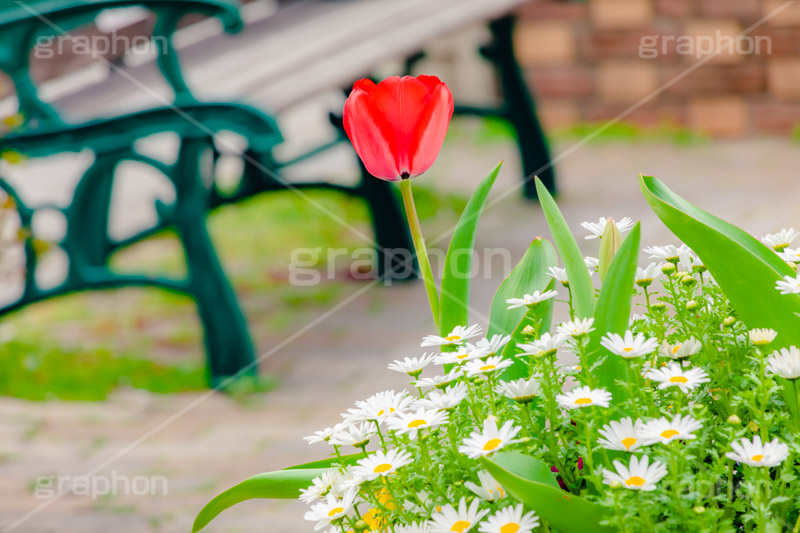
(422, 252)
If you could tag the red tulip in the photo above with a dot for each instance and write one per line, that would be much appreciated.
(397, 127)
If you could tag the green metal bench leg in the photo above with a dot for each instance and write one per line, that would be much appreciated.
(520, 108)
(228, 346)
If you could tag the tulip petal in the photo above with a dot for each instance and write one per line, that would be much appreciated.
(373, 137)
(431, 130)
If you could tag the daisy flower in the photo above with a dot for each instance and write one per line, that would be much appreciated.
(491, 347)
(324, 435)
(790, 255)
(629, 346)
(319, 486)
(459, 335)
(522, 390)
(482, 443)
(584, 397)
(412, 366)
(576, 328)
(754, 453)
(673, 375)
(462, 519)
(489, 489)
(570, 370)
(680, 350)
(762, 336)
(645, 276)
(785, 363)
(596, 229)
(355, 435)
(444, 400)
(331, 509)
(416, 527)
(591, 263)
(440, 381)
(381, 464)
(638, 475)
(624, 435)
(379, 406)
(486, 366)
(665, 431)
(788, 285)
(781, 240)
(413, 423)
(560, 275)
(545, 345)
(530, 300)
(510, 519)
(461, 355)
(672, 254)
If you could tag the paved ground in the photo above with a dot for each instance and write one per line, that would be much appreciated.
(202, 443)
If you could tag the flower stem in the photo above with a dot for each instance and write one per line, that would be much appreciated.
(419, 246)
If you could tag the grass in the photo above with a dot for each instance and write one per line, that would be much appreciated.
(84, 346)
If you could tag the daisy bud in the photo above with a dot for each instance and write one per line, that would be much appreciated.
(529, 331)
(699, 509)
(734, 420)
(615, 484)
(668, 269)
(691, 305)
(688, 280)
(729, 321)
(659, 307)
(699, 268)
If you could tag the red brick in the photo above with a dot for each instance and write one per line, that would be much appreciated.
(749, 78)
(561, 82)
(719, 116)
(783, 78)
(626, 81)
(553, 10)
(741, 9)
(674, 8)
(780, 14)
(545, 43)
(621, 44)
(651, 115)
(557, 113)
(777, 41)
(621, 14)
(775, 117)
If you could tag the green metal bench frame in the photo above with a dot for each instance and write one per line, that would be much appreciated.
(87, 242)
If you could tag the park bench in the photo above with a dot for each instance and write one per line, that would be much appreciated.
(310, 65)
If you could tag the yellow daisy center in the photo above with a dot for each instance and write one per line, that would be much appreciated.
(417, 423)
(491, 445)
(628, 442)
(511, 527)
(335, 511)
(460, 526)
(757, 458)
(462, 356)
(380, 469)
(635, 481)
(452, 338)
(583, 401)
(380, 413)
(488, 367)
(669, 433)
(676, 348)
(627, 350)
(678, 379)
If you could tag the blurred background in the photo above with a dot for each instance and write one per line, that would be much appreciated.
(109, 421)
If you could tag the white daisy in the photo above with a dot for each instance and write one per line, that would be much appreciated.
(788, 285)
(416, 527)
(490, 439)
(444, 400)
(790, 255)
(576, 328)
(782, 239)
(489, 489)
(440, 381)
(596, 229)
(487, 366)
(754, 453)
(673, 254)
(331, 509)
(560, 275)
(762, 336)
(324, 435)
(545, 345)
(493, 345)
(584, 397)
(461, 355)
(785, 363)
(570, 370)
(531, 300)
(412, 366)
(356, 435)
(673, 375)
(629, 346)
(645, 276)
(412, 423)
(665, 431)
(680, 350)
(379, 406)
(458, 336)
(381, 464)
(510, 519)
(638, 475)
(623, 435)
(462, 520)
(522, 390)
(591, 264)
(318, 488)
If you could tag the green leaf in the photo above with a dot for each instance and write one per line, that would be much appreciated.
(453, 310)
(530, 481)
(538, 318)
(744, 268)
(580, 283)
(613, 312)
(609, 244)
(327, 463)
(284, 484)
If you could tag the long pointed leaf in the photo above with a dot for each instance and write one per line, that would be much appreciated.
(580, 283)
(530, 481)
(453, 310)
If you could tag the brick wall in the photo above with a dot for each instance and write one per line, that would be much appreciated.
(592, 60)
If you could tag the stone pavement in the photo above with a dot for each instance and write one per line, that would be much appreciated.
(204, 442)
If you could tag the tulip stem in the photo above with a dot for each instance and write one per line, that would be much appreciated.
(422, 252)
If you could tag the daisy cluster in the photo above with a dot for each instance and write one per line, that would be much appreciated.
(696, 433)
